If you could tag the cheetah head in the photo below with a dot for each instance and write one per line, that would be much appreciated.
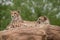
(42, 19)
(14, 13)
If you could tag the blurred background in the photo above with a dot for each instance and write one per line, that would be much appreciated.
(30, 10)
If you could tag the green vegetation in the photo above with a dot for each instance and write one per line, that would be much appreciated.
(30, 10)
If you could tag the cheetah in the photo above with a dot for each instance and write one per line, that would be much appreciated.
(16, 20)
(44, 23)
(43, 20)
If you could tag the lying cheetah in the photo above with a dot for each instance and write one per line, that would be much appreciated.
(43, 20)
(43, 23)
(16, 20)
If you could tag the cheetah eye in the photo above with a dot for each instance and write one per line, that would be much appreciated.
(14, 13)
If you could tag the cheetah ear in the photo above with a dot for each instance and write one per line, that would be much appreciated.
(45, 18)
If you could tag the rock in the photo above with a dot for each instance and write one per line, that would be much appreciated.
(53, 32)
(22, 33)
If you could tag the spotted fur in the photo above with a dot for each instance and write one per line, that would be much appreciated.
(16, 20)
